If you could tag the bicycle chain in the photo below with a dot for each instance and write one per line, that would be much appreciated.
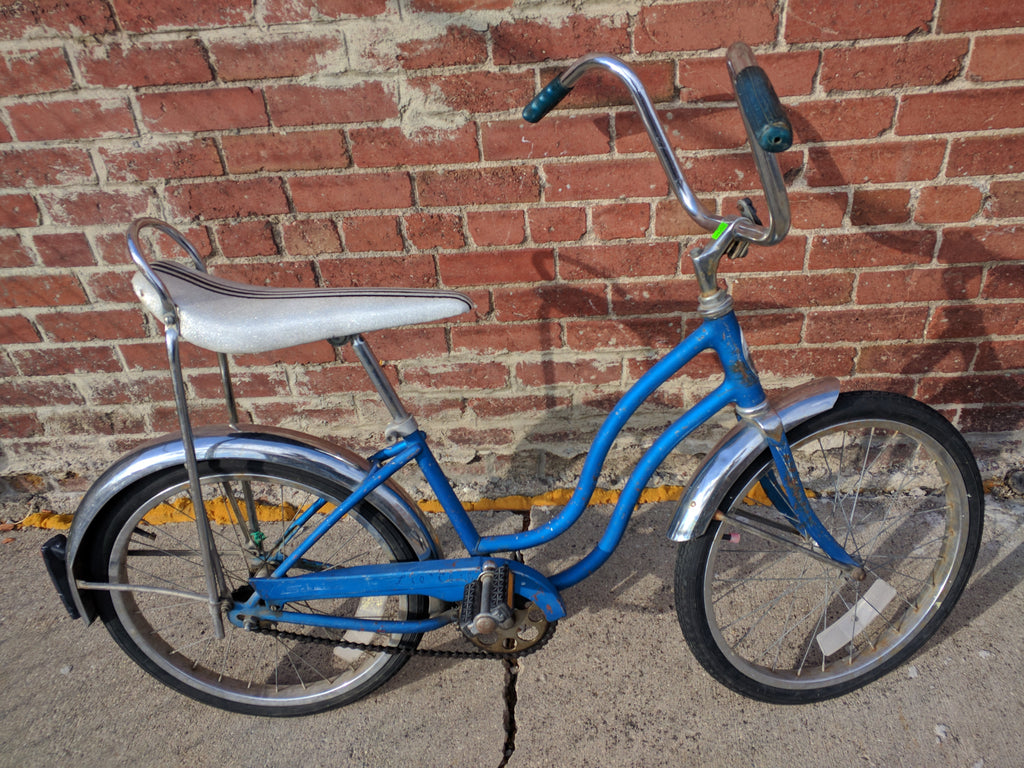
(395, 650)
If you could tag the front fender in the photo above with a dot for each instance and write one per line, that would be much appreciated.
(737, 450)
(255, 443)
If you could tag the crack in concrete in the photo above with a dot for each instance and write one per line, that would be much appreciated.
(509, 716)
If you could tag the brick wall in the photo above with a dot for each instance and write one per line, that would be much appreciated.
(355, 142)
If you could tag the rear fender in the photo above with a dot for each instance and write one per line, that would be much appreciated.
(737, 450)
(245, 442)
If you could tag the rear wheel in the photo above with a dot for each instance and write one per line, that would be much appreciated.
(151, 540)
(898, 488)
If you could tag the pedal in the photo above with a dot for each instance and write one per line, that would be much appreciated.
(487, 603)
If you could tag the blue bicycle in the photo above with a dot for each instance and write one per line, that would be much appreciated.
(825, 538)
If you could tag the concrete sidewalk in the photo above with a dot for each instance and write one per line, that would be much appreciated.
(616, 686)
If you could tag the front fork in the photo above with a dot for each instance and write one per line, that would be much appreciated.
(786, 492)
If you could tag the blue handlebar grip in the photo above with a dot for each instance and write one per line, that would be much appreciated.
(763, 111)
(545, 101)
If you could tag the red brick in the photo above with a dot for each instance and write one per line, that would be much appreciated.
(15, 329)
(522, 41)
(970, 321)
(831, 361)
(152, 356)
(999, 356)
(478, 186)
(410, 343)
(616, 222)
(818, 210)
(915, 359)
(40, 291)
(496, 227)
(79, 422)
(163, 160)
(986, 156)
(371, 233)
(112, 286)
(603, 89)
(152, 15)
(71, 119)
(589, 372)
(458, 45)
(794, 290)
(13, 253)
(37, 393)
(294, 151)
(553, 137)
(671, 220)
(875, 249)
(856, 325)
(83, 17)
(206, 110)
(228, 199)
(117, 390)
(840, 120)
(954, 111)
(457, 6)
(507, 337)
(997, 58)
(643, 333)
(271, 57)
(896, 286)
(478, 91)
(486, 268)
(603, 179)
(654, 297)
(965, 245)
(45, 167)
(940, 205)
(733, 172)
(706, 78)
(393, 271)
(246, 384)
(967, 388)
(874, 67)
(552, 300)
(307, 237)
(1004, 281)
(990, 418)
(93, 325)
(278, 274)
(969, 15)
(812, 21)
(390, 147)
(70, 249)
(787, 256)
(38, 71)
(617, 261)
(246, 238)
(557, 224)
(488, 375)
(317, 105)
(17, 211)
(703, 25)
(880, 162)
(21, 425)
(304, 354)
(1005, 200)
(351, 192)
(872, 207)
(285, 11)
(83, 209)
(488, 407)
(174, 62)
(66, 360)
(688, 128)
(427, 231)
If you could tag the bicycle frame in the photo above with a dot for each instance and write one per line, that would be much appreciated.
(444, 579)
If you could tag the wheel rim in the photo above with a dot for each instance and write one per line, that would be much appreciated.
(157, 547)
(890, 494)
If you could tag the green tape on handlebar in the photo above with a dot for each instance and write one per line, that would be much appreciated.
(720, 230)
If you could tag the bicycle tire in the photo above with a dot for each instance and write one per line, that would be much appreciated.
(151, 539)
(897, 485)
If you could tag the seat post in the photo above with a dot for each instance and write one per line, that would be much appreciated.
(403, 423)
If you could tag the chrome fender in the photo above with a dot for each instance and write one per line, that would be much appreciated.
(256, 443)
(737, 450)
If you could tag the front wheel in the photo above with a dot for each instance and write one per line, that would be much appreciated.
(899, 489)
(149, 547)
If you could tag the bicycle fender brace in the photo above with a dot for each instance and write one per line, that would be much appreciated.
(737, 450)
(246, 442)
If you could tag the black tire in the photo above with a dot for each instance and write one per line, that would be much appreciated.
(150, 539)
(898, 487)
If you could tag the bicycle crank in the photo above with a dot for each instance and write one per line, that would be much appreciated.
(492, 619)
